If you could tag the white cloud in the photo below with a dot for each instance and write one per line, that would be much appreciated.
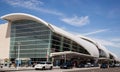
(116, 39)
(32, 4)
(95, 32)
(76, 21)
(37, 5)
(25, 3)
(107, 43)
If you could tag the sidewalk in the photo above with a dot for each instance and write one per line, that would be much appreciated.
(7, 69)
(19, 68)
(16, 69)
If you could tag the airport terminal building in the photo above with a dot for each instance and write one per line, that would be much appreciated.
(27, 37)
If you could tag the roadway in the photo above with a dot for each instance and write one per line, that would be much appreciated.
(92, 69)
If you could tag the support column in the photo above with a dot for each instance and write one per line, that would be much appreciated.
(70, 45)
(96, 60)
(61, 45)
(49, 46)
(52, 59)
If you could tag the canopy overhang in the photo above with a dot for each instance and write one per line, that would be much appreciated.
(70, 54)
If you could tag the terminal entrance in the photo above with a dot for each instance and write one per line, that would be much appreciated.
(58, 58)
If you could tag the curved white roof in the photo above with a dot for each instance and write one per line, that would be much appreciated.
(18, 16)
(114, 55)
(103, 48)
(97, 44)
(80, 36)
(88, 46)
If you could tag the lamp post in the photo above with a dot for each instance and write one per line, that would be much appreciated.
(18, 54)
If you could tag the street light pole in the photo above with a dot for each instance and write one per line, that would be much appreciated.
(18, 54)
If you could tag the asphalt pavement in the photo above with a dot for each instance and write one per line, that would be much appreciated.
(117, 69)
(56, 69)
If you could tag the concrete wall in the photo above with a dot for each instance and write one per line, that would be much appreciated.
(4, 40)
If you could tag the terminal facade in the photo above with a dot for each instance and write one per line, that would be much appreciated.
(30, 38)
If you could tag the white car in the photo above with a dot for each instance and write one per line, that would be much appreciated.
(44, 65)
(117, 65)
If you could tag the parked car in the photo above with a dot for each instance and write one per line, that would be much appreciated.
(111, 65)
(104, 65)
(81, 65)
(44, 65)
(94, 65)
(117, 65)
(88, 65)
(66, 65)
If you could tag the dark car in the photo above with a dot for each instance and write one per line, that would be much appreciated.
(94, 65)
(81, 65)
(66, 65)
(104, 65)
(111, 65)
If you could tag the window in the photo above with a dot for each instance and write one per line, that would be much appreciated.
(33, 36)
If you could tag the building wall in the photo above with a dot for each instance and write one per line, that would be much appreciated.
(4, 40)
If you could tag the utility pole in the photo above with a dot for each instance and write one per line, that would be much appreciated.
(18, 54)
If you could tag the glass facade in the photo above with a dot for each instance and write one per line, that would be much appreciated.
(61, 43)
(111, 56)
(34, 39)
(101, 53)
(37, 41)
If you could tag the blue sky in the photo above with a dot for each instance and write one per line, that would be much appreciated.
(97, 19)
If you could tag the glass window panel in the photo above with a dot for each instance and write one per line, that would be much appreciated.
(33, 38)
